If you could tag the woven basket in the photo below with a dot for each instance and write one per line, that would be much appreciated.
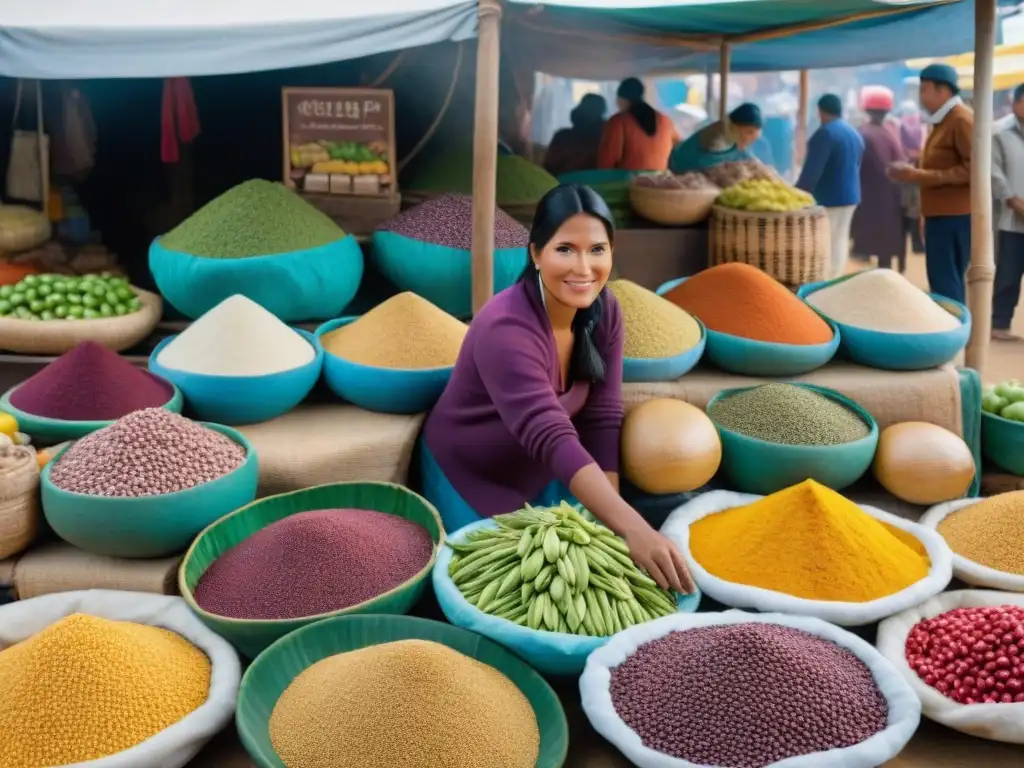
(19, 499)
(672, 207)
(791, 247)
(22, 228)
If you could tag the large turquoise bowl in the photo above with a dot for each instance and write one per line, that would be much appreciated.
(297, 286)
(147, 526)
(385, 390)
(1002, 442)
(757, 466)
(749, 357)
(901, 351)
(637, 369)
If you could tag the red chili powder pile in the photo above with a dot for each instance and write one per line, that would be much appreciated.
(313, 563)
(741, 300)
(90, 383)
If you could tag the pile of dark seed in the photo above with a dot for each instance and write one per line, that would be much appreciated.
(448, 221)
(746, 695)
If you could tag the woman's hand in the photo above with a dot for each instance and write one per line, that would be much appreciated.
(660, 558)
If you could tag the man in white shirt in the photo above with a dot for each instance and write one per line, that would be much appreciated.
(1008, 191)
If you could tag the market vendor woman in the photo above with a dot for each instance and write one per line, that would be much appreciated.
(533, 411)
(726, 141)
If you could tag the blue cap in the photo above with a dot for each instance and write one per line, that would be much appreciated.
(746, 114)
(942, 74)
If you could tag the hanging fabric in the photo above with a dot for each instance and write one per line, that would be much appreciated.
(28, 168)
(179, 119)
(74, 143)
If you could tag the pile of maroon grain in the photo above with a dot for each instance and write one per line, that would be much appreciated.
(746, 695)
(448, 220)
(313, 563)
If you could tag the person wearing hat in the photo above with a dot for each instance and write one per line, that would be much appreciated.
(720, 142)
(944, 177)
(1008, 191)
(639, 138)
(575, 149)
(831, 173)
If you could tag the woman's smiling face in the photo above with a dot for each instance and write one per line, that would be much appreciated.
(576, 263)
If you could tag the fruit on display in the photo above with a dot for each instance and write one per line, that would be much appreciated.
(767, 195)
(1004, 399)
(726, 174)
(669, 446)
(923, 463)
(554, 569)
(349, 157)
(668, 180)
(64, 297)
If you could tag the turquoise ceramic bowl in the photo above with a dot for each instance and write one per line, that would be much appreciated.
(385, 390)
(757, 466)
(44, 431)
(147, 526)
(301, 285)
(243, 399)
(636, 369)
(749, 357)
(901, 351)
(1002, 442)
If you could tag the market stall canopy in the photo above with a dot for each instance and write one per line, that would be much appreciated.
(167, 38)
(608, 39)
(1007, 67)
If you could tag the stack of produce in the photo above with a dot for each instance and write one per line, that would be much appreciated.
(789, 415)
(655, 328)
(923, 463)
(405, 332)
(146, 453)
(768, 195)
(238, 337)
(746, 695)
(809, 542)
(1004, 399)
(85, 688)
(668, 180)
(312, 563)
(519, 182)
(882, 300)
(972, 654)
(741, 300)
(725, 175)
(989, 533)
(62, 297)
(551, 569)
(409, 703)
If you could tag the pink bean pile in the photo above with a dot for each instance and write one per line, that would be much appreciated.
(448, 221)
(746, 695)
(314, 562)
(146, 453)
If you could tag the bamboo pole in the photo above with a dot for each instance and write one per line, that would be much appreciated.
(485, 150)
(723, 82)
(981, 273)
(709, 92)
(800, 134)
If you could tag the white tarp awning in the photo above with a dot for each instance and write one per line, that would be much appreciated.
(167, 38)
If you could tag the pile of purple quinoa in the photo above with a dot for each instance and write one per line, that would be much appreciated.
(448, 221)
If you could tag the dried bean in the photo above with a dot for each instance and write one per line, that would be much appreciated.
(448, 220)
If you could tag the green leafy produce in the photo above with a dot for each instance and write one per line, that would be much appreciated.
(519, 182)
(554, 569)
(63, 297)
(255, 218)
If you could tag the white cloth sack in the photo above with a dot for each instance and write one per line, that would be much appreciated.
(996, 722)
(175, 746)
(595, 683)
(28, 167)
(966, 570)
(677, 528)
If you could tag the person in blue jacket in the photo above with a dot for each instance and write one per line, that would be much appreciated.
(831, 173)
(726, 141)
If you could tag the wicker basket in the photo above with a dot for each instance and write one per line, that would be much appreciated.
(19, 499)
(672, 207)
(791, 247)
(22, 228)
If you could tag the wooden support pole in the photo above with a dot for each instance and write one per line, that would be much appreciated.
(709, 93)
(981, 273)
(800, 134)
(485, 150)
(723, 82)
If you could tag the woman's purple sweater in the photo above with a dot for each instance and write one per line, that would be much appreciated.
(502, 430)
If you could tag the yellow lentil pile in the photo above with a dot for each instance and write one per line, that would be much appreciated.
(990, 533)
(87, 687)
(655, 327)
(409, 704)
(405, 332)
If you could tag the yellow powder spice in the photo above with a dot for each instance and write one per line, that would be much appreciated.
(87, 687)
(407, 704)
(405, 332)
(655, 327)
(810, 542)
(990, 533)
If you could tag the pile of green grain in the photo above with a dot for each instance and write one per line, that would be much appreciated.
(405, 704)
(519, 182)
(256, 218)
(655, 327)
(790, 415)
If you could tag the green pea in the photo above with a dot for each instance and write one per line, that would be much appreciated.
(60, 311)
(106, 310)
(90, 301)
(6, 291)
(76, 311)
(17, 299)
(47, 315)
(5, 307)
(120, 309)
(31, 294)
(37, 305)
(30, 279)
(74, 298)
(90, 314)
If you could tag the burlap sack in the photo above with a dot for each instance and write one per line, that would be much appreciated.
(19, 499)
(60, 567)
(332, 443)
(55, 337)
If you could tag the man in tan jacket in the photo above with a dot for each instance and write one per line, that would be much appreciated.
(944, 176)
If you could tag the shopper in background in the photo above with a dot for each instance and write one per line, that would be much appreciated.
(1008, 190)
(912, 131)
(639, 138)
(575, 149)
(944, 177)
(878, 228)
(720, 142)
(831, 173)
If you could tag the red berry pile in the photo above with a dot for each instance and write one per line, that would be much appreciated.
(971, 655)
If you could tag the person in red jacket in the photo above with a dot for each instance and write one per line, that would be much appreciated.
(639, 138)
